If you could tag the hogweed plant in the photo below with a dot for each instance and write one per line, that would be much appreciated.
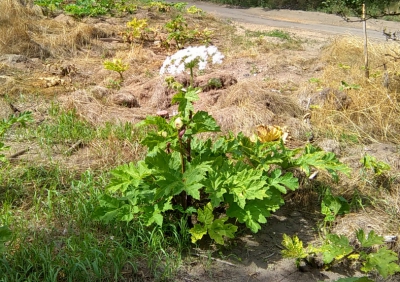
(179, 32)
(116, 65)
(370, 251)
(212, 183)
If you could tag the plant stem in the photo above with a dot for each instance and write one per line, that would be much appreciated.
(191, 77)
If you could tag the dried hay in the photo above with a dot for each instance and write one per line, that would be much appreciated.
(152, 93)
(245, 105)
(367, 220)
(22, 31)
(15, 23)
(373, 112)
(96, 112)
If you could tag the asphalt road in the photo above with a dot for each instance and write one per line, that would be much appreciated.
(260, 17)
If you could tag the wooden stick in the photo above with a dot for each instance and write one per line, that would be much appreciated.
(20, 153)
(73, 148)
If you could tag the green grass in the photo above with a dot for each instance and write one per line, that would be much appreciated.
(49, 209)
(273, 33)
(56, 238)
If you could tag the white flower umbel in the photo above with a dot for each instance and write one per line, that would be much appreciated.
(191, 57)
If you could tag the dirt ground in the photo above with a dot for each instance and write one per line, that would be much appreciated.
(252, 257)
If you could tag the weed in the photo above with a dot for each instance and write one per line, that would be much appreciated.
(195, 11)
(114, 84)
(337, 248)
(273, 33)
(116, 65)
(64, 128)
(214, 83)
(183, 175)
(6, 124)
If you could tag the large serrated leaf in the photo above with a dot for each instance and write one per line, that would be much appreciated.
(214, 187)
(203, 122)
(369, 241)
(218, 230)
(281, 182)
(246, 184)
(197, 232)
(153, 214)
(128, 175)
(335, 248)
(185, 98)
(383, 261)
(331, 206)
(193, 176)
(315, 157)
(254, 213)
(293, 247)
(206, 215)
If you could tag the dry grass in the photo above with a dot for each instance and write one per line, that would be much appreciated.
(23, 30)
(373, 112)
(246, 105)
(15, 24)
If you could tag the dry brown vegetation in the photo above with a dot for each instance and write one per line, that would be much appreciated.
(371, 112)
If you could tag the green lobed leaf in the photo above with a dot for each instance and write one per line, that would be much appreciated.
(114, 209)
(369, 241)
(169, 184)
(331, 206)
(281, 182)
(219, 229)
(335, 248)
(193, 176)
(315, 157)
(197, 232)
(254, 213)
(246, 184)
(185, 99)
(128, 175)
(203, 122)
(214, 187)
(206, 215)
(156, 140)
(293, 247)
(153, 213)
(383, 261)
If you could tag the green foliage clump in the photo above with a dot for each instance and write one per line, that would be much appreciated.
(194, 10)
(84, 8)
(337, 248)
(180, 33)
(377, 167)
(88, 8)
(217, 181)
(116, 65)
(331, 206)
(162, 6)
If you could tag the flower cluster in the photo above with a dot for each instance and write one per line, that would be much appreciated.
(189, 57)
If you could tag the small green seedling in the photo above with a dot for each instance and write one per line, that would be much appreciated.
(378, 167)
(116, 65)
(194, 10)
